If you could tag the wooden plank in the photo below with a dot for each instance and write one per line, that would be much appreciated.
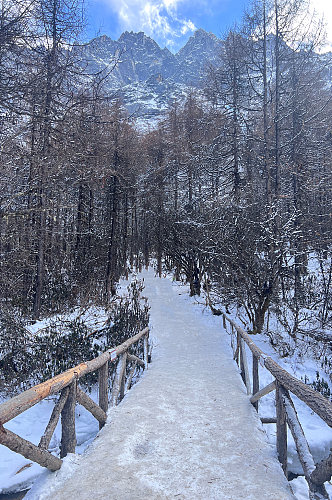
(53, 422)
(103, 389)
(84, 400)
(255, 379)
(68, 436)
(29, 450)
(131, 375)
(135, 359)
(302, 447)
(281, 429)
(146, 352)
(244, 366)
(18, 404)
(316, 401)
(266, 390)
(121, 368)
(268, 420)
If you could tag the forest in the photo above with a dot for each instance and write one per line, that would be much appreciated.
(230, 192)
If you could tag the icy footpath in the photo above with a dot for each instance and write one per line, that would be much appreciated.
(185, 431)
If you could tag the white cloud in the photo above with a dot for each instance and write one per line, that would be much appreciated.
(187, 26)
(157, 18)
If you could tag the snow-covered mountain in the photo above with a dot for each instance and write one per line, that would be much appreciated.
(145, 76)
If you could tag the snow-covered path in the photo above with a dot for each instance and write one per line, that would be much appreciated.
(185, 431)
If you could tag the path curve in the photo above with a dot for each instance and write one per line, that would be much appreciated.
(185, 431)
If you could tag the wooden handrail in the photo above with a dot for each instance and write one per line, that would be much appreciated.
(316, 401)
(286, 414)
(66, 383)
(18, 404)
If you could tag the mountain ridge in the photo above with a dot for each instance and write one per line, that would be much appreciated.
(144, 75)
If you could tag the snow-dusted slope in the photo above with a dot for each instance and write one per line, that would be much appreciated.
(185, 431)
(144, 76)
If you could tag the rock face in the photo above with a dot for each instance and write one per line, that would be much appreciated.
(145, 76)
(201, 50)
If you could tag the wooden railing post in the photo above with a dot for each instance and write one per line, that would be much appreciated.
(120, 373)
(47, 436)
(232, 337)
(68, 437)
(237, 349)
(122, 386)
(146, 351)
(244, 366)
(255, 378)
(281, 429)
(103, 388)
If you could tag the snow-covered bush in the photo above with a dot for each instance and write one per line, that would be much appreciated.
(28, 358)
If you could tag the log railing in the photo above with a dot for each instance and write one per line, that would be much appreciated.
(67, 385)
(284, 384)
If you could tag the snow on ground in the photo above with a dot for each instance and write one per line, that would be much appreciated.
(93, 317)
(186, 430)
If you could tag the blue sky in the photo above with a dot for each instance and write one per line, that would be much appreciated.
(169, 22)
(172, 22)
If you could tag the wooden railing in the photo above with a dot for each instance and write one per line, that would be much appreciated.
(283, 384)
(67, 385)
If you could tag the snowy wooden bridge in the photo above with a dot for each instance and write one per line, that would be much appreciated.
(187, 430)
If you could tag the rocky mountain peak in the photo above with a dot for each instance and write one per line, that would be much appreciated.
(140, 39)
(145, 76)
(200, 40)
(201, 49)
(132, 37)
(200, 33)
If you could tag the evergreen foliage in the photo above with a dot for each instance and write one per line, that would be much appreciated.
(27, 359)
